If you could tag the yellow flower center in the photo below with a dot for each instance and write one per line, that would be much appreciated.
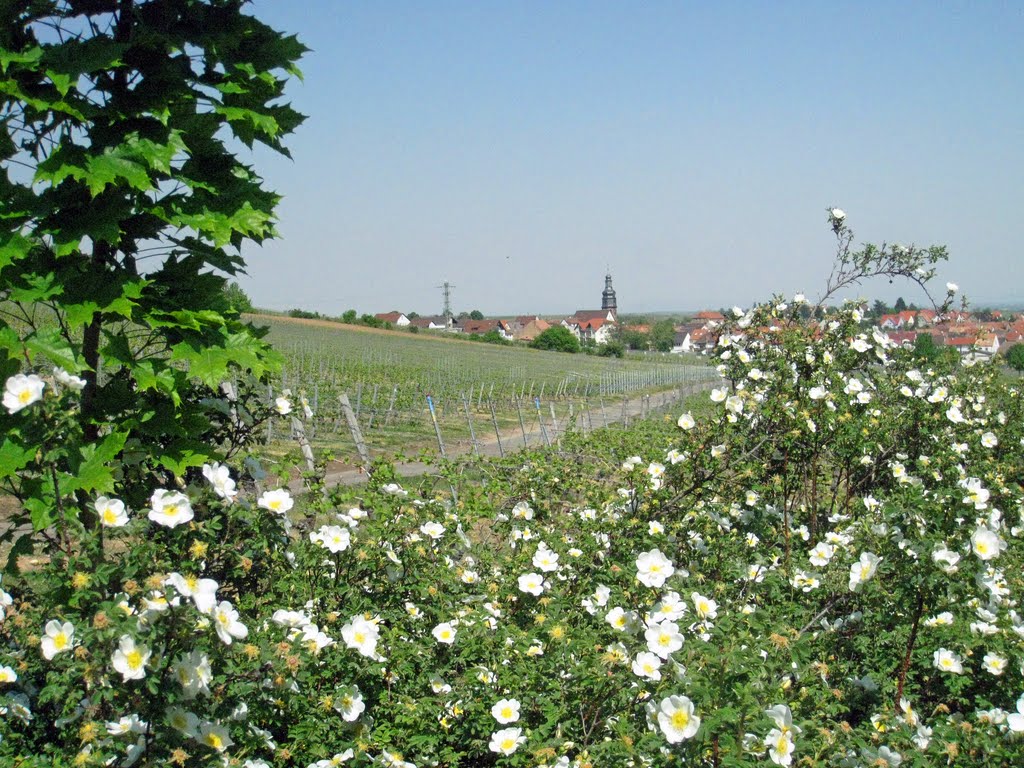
(508, 743)
(680, 719)
(24, 396)
(109, 517)
(506, 712)
(134, 659)
(60, 641)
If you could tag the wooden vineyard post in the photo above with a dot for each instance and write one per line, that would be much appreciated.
(231, 395)
(625, 416)
(391, 406)
(437, 428)
(554, 420)
(359, 399)
(270, 422)
(522, 424)
(540, 420)
(299, 431)
(469, 420)
(494, 421)
(353, 426)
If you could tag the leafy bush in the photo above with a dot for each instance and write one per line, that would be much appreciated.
(237, 298)
(557, 338)
(611, 349)
(1015, 357)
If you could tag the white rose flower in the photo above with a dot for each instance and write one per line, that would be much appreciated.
(169, 508)
(532, 583)
(279, 501)
(444, 633)
(111, 512)
(947, 661)
(506, 711)
(57, 638)
(676, 719)
(653, 568)
(507, 740)
(21, 391)
(130, 659)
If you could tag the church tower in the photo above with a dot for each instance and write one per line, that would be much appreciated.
(608, 295)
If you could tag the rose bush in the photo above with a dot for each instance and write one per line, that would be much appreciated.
(821, 564)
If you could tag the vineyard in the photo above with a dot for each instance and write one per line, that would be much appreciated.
(398, 384)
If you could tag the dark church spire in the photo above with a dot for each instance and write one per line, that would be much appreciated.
(608, 295)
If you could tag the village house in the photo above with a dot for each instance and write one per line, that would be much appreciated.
(480, 327)
(397, 319)
(432, 323)
(709, 318)
(596, 325)
(532, 329)
(973, 340)
(909, 318)
(693, 337)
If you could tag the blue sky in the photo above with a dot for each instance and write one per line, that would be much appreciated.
(518, 150)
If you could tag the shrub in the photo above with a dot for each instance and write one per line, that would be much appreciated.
(1015, 357)
(558, 338)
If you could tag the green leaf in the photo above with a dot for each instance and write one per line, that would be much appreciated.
(109, 167)
(13, 247)
(30, 56)
(23, 545)
(51, 345)
(39, 510)
(147, 377)
(36, 288)
(95, 473)
(177, 459)
(60, 81)
(14, 457)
